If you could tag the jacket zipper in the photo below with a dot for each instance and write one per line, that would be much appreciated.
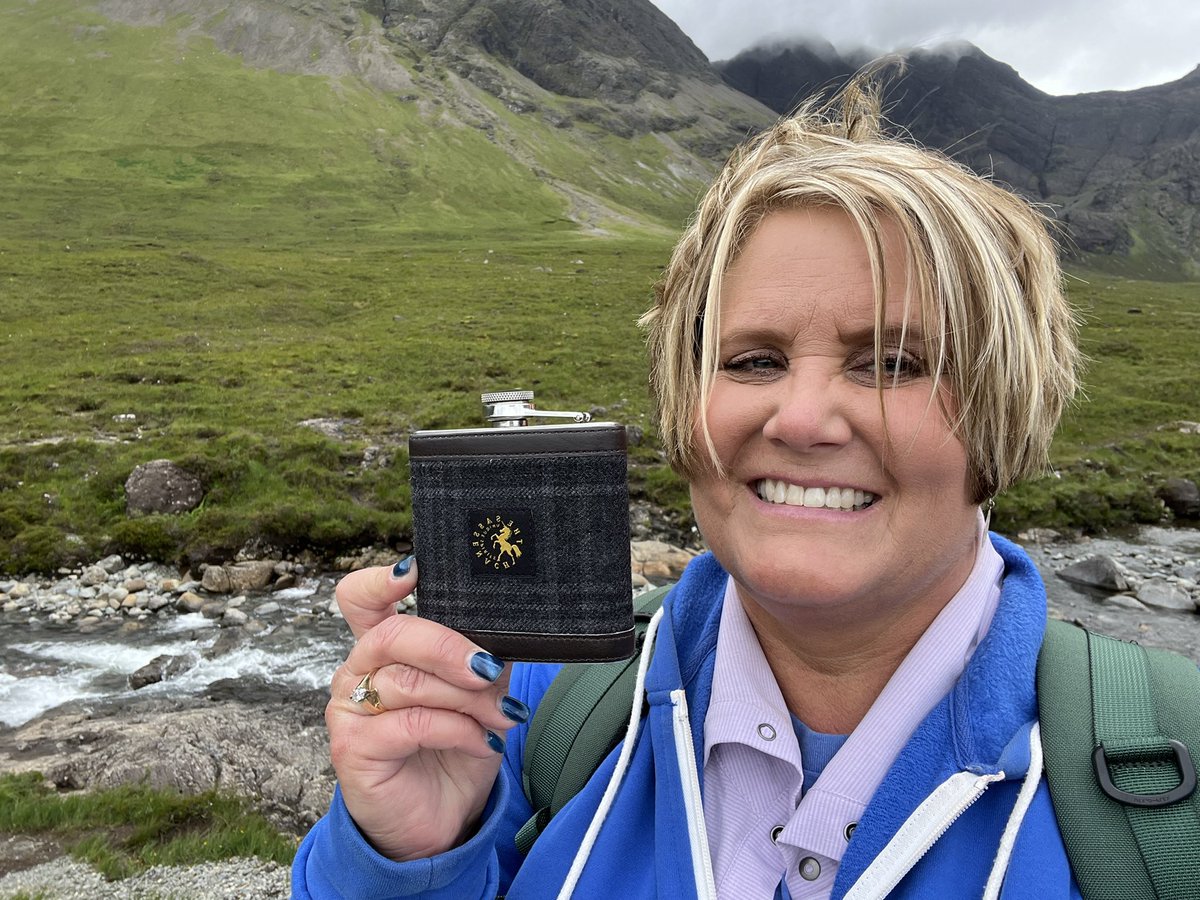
(920, 832)
(706, 887)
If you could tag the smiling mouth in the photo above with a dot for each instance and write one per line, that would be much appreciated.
(785, 493)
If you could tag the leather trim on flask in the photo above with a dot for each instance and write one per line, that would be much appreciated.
(593, 437)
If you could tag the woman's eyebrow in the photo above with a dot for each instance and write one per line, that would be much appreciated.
(852, 334)
(757, 333)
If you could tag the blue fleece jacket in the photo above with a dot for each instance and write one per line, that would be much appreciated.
(643, 850)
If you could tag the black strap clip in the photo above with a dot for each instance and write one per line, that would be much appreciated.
(1187, 782)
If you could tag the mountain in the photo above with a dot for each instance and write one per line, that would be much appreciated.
(1119, 169)
(300, 119)
(598, 114)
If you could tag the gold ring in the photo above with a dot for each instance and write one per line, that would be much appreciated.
(365, 695)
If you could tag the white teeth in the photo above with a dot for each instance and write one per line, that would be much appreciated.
(774, 491)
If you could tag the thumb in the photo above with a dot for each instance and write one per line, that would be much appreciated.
(369, 596)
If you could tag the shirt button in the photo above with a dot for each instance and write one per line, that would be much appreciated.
(766, 732)
(810, 869)
(849, 830)
(775, 833)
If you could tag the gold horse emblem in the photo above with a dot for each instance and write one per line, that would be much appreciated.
(501, 543)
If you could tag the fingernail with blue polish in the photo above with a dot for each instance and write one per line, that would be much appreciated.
(495, 742)
(514, 709)
(486, 666)
(402, 568)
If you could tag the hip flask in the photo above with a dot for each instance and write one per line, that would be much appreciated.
(522, 533)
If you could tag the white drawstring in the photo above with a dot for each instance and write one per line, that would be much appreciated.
(1009, 839)
(614, 783)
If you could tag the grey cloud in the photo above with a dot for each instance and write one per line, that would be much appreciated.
(1060, 46)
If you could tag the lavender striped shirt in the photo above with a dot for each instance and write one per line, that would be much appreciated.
(760, 830)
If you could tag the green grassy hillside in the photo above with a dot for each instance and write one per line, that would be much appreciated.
(197, 256)
(113, 133)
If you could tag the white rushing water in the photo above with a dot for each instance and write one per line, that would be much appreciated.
(43, 668)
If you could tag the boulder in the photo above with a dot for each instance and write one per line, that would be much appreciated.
(235, 617)
(160, 486)
(158, 669)
(1096, 572)
(283, 582)
(1039, 536)
(1182, 497)
(189, 602)
(370, 556)
(157, 602)
(254, 575)
(112, 564)
(658, 561)
(1161, 594)
(93, 575)
(276, 751)
(216, 580)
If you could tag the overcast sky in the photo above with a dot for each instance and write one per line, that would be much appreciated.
(1059, 46)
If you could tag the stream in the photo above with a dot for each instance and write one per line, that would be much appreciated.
(43, 665)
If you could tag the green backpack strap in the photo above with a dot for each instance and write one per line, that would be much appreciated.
(582, 716)
(1120, 729)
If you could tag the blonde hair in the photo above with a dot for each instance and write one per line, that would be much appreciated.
(980, 261)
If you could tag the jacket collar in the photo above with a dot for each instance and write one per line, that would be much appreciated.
(988, 705)
(987, 714)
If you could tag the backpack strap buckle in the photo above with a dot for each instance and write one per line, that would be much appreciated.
(1182, 761)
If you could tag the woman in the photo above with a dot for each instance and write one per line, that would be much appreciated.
(856, 344)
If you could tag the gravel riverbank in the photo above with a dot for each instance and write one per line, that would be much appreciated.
(234, 879)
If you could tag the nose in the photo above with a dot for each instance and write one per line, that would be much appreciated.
(809, 411)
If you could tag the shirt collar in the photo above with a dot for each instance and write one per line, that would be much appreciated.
(746, 695)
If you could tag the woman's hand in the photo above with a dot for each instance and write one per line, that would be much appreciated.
(416, 776)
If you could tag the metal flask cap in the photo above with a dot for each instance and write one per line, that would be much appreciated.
(512, 409)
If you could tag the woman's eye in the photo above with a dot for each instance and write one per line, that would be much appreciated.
(896, 366)
(755, 365)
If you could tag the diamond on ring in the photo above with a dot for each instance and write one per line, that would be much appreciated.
(365, 694)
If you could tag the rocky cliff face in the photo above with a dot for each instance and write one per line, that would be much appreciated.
(1121, 170)
(643, 74)
(612, 49)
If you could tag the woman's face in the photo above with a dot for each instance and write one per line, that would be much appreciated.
(821, 504)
